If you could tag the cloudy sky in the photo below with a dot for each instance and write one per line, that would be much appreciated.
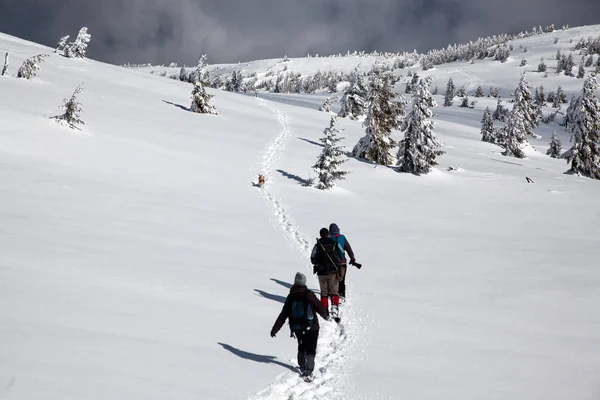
(162, 31)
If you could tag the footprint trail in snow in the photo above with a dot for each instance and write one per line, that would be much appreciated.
(334, 341)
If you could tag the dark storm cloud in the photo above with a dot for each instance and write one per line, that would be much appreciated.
(160, 31)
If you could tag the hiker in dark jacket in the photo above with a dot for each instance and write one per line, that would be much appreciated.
(343, 247)
(325, 259)
(305, 329)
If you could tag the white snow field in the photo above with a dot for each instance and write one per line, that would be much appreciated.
(138, 261)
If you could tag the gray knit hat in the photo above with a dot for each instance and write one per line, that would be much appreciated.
(300, 279)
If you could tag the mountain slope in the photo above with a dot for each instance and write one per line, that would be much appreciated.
(138, 261)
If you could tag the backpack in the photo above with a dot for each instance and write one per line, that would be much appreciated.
(341, 243)
(302, 317)
(328, 258)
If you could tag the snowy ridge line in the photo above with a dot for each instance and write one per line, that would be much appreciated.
(333, 339)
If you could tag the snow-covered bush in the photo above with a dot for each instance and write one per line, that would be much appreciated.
(30, 66)
(72, 108)
(201, 100)
(78, 48)
(61, 43)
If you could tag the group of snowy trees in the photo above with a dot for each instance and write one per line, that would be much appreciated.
(77, 48)
(385, 113)
(582, 120)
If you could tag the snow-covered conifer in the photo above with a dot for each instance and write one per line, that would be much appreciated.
(590, 61)
(501, 112)
(513, 135)
(465, 102)
(449, 93)
(581, 72)
(558, 55)
(523, 62)
(72, 108)
(200, 73)
(555, 148)
(542, 66)
(78, 48)
(488, 133)
(479, 91)
(420, 147)
(561, 96)
(524, 102)
(326, 107)
(494, 92)
(568, 66)
(354, 100)
(384, 114)
(6, 64)
(540, 96)
(235, 83)
(331, 158)
(30, 66)
(62, 43)
(201, 100)
(584, 156)
(435, 91)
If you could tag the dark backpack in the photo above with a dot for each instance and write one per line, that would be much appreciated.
(302, 317)
(328, 256)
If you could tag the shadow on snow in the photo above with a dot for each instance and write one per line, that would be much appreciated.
(256, 357)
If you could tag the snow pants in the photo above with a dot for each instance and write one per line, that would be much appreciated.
(307, 349)
(329, 285)
(342, 285)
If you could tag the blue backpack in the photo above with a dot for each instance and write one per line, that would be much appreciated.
(302, 317)
(341, 243)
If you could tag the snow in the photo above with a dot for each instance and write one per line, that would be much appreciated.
(137, 259)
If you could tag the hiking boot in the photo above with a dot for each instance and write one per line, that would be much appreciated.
(335, 311)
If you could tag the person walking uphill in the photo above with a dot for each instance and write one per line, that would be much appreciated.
(326, 265)
(301, 307)
(343, 247)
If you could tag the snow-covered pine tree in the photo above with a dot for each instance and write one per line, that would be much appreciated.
(435, 91)
(62, 43)
(385, 113)
(326, 107)
(501, 112)
(465, 102)
(479, 92)
(555, 148)
(354, 100)
(200, 73)
(72, 108)
(331, 158)
(558, 55)
(523, 62)
(449, 93)
(540, 96)
(572, 110)
(488, 133)
(542, 66)
(6, 64)
(581, 72)
(527, 109)
(235, 83)
(590, 61)
(584, 156)
(78, 48)
(561, 96)
(30, 66)
(513, 135)
(201, 100)
(568, 66)
(420, 147)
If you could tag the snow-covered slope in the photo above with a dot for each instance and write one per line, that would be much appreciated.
(138, 261)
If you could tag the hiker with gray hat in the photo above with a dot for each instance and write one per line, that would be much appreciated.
(301, 308)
